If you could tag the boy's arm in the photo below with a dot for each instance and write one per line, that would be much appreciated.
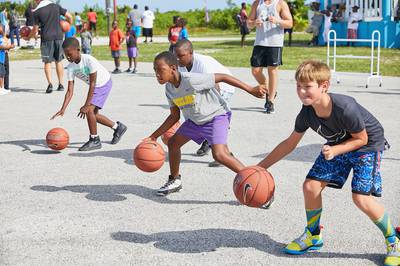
(173, 117)
(67, 99)
(286, 20)
(252, 19)
(283, 149)
(258, 91)
(356, 141)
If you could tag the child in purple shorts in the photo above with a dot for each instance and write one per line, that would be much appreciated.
(132, 49)
(206, 112)
(89, 70)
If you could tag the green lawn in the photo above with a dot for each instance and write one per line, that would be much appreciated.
(230, 53)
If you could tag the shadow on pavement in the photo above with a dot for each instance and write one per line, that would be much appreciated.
(26, 143)
(163, 106)
(209, 240)
(306, 153)
(18, 89)
(249, 109)
(377, 92)
(112, 193)
(125, 154)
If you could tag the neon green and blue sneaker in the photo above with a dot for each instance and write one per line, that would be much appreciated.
(304, 243)
(393, 253)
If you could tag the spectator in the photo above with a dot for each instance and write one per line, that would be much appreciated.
(78, 22)
(86, 39)
(136, 18)
(128, 24)
(116, 39)
(14, 25)
(316, 22)
(47, 16)
(148, 20)
(132, 50)
(242, 20)
(290, 31)
(92, 17)
(4, 21)
(183, 35)
(352, 24)
(4, 47)
(327, 23)
(174, 33)
(30, 21)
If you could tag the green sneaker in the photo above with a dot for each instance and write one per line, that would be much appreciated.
(393, 253)
(304, 243)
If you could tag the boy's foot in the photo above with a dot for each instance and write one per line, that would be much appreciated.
(116, 71)
(393, 253)
(92, 144)
(128, 70)
(304, 243)
(174, 184)
(4, 91)
(118, 132)
(134, 71)
(49, 88)
(60, 87)
(271, 108)
(268, 205)
(204, 149)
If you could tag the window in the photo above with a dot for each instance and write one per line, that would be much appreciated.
(370, 9)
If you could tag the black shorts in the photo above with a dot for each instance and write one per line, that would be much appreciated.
(147, 32)
(244, 30)
(52, 51)
(92, 25)
(264, 56)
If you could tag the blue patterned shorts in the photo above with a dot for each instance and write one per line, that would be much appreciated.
(366, 171)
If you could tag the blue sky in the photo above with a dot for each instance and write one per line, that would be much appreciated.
(163, 5)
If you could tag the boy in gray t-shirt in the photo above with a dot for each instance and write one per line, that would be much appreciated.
(207, 114)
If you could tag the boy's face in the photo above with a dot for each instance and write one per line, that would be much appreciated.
(72, 54)
(115, 25)
(164, 72)
(310, 92)
(185, 58)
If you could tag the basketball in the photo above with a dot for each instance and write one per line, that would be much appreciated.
(149, 156)
(65, 26)
(170, 132)
(254, 186)
(25, 32)
(57, 139)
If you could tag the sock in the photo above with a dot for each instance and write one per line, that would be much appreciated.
(115, 126)
(387, 228)
(313, 217)
(93, 136)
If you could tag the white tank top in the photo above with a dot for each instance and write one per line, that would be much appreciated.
(269, 34)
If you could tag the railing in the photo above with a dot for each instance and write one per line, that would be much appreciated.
(375, 38)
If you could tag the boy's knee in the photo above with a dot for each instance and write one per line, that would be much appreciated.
(311, 187)
(359, 200)
(220, 156)
(256, 71)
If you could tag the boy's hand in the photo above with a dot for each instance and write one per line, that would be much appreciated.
(259, 22)
(327, 151)
(83, 111)
(259, 91)
(59, 113)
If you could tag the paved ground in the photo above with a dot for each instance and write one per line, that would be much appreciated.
(96, 208)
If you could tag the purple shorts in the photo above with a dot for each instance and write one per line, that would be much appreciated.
(100, 94)
(215, 131)
(132, 52)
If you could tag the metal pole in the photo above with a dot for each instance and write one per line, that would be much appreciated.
(115, 9)
(108, 16)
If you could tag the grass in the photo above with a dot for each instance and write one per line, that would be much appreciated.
(230, 53)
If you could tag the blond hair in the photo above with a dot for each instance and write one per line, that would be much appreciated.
(312, 70)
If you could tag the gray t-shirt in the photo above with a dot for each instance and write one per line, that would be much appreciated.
(86, 39)
(347, 117)
(197, 97)
(136, 17)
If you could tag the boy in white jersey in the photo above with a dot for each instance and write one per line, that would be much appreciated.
(89, 70)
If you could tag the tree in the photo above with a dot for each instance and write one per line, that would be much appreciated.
(230, 3)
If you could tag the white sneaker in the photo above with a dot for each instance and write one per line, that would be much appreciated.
(174, 184)
(4, 91)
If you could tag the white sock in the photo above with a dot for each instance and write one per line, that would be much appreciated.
(93, 136)
(115, 126)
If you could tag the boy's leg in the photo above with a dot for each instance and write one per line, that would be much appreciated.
(174, 183)
(7, 73)
(134, 63)
(118, 127)
(60, 75)
(94, 140)
(272, 85)
(222, 155)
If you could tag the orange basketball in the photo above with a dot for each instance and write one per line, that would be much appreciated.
(25, 32)
(149, 156)
(57, 139)
(170, 132)
(65, 26)
(254, 186)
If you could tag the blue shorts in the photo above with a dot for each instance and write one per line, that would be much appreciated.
(366, 171)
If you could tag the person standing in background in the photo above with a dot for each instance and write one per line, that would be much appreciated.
(244, 30)
(136, 17)
(78, 22)
(148, 21)
(92, 17)
(14, 25)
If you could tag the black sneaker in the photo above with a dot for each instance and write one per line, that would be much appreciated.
(271, 108)
(204, 149)
(118, 132)
(92, 144)
(60, 87)
(128, 70)
(266, 106)
(116, 71)
(49, 88)
(174, 184)
(268, 205)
